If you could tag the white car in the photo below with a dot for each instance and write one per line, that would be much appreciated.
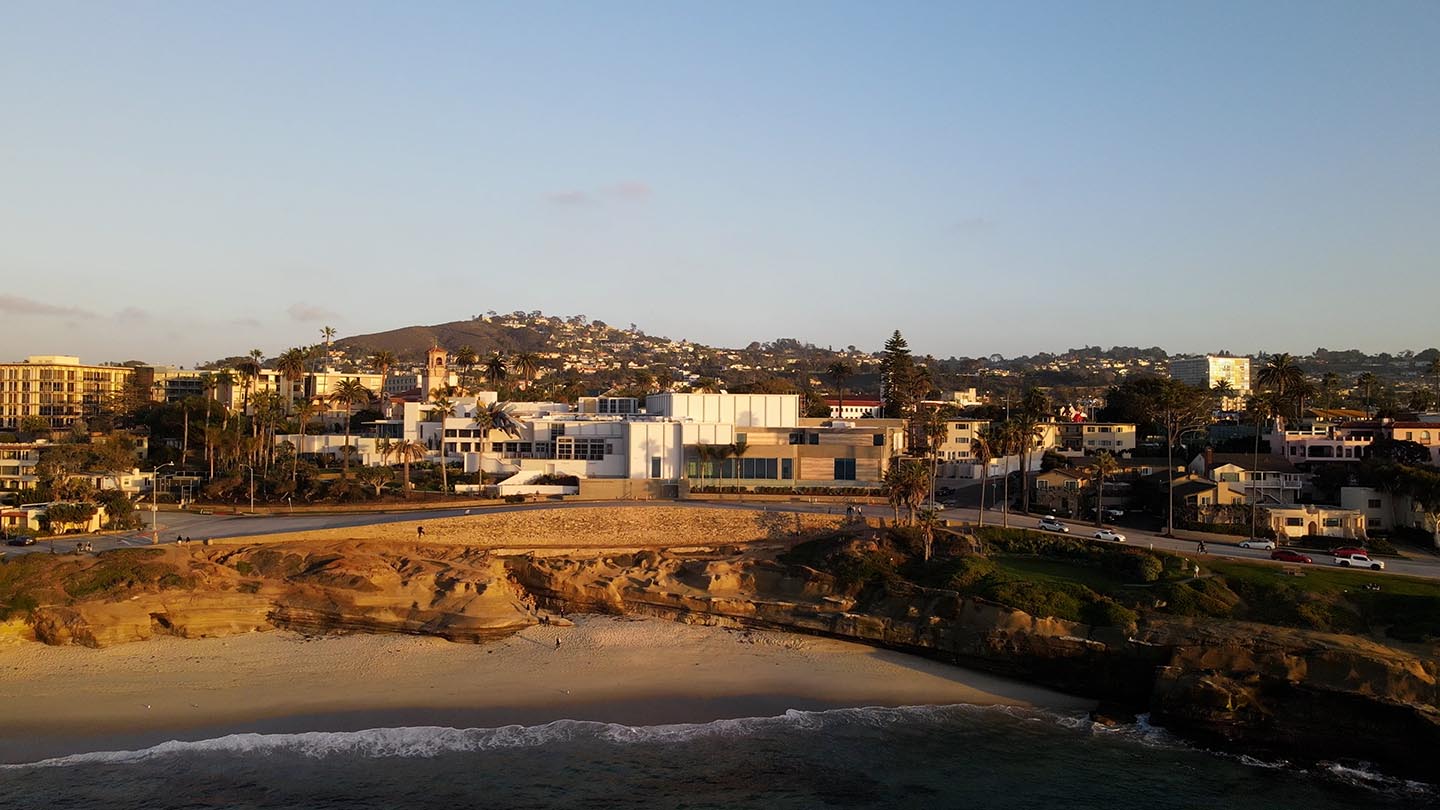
(1358, 561)
(1108, 534)
(1264, 545)
(1050, 524)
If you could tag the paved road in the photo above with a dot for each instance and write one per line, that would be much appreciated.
(199, 527)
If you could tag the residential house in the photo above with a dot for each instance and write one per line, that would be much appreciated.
(1089, 438)
(1267, 478)
(1315, 520)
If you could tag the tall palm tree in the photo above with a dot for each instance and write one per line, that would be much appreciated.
(1104, 466)
(705, 456)
(382, 361)
(528, 365)
(328, 333)
(1034, 407)
(983, 450)
(1282, 375)
(291, 364)
(840, 373)
(1367, 384)
(495, 416)
(1224, 392)
(348, 393)
(496, 369)
(1329, 385)
(440, 407)
(736, 450)
(405, 451)
(304, 412)
(935, 430)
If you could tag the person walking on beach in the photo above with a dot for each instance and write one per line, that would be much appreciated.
(419, 531)
(557, 642)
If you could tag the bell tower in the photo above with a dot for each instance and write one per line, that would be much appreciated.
(436, 373)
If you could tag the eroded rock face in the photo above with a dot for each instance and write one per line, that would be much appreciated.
(451, 592)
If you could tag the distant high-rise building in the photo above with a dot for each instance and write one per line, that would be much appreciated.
(1208, 370)
(57, 388)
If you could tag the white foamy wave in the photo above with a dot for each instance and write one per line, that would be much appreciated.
(1361, 775)
(429, 741)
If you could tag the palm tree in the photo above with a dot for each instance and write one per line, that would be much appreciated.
(1224, 392)
(382, 361)
(406, 451)
(441, 407)
(736, 451)
(303, 413)
(983, 450)
(840, 373)
(495, 416)
(906, 484)
(328, 333)
(528, 364)
(291, 364)
(705, 455)
(1329, 385)
(495, 369)
(1104, 466)
(1367, 383)
(1034, 407)
(348, 393)
(1282, 375)
(935, 430)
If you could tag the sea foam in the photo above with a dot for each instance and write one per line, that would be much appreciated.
(429, 741)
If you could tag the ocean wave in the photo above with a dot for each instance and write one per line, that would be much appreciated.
(1361, 775)
(429, 741)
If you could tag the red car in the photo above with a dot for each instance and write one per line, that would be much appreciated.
(1348, 551)
(1286, 555)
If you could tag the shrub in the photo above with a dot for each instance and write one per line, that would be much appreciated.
(1038, 599)
(968, 572)
(1109, 613)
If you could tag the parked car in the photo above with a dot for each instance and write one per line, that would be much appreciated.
(22, 540)
(1348, 551)
(1266, 545)
(1108, 534)
(1114, 514)
(1050, 523)
(1286, 555)
(1359, 561)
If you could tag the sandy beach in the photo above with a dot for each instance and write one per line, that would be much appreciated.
(639, 672)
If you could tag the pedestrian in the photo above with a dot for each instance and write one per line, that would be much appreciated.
(419, 531)
(557, 642)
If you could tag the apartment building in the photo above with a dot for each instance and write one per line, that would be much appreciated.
(1351, 441)
(1090, 438)
(17, 465)
(1207, 370)
(57, 388)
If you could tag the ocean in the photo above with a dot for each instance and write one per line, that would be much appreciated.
(914, 757)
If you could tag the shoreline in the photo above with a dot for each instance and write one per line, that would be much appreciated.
(68, 700)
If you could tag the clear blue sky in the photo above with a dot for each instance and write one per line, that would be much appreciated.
(182, 181)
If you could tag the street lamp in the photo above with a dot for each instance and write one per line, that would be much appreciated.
(155, 501)
(252, 486)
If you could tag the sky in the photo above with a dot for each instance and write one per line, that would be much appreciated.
(186, 181)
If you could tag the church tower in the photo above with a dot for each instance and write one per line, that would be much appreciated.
(437, 375)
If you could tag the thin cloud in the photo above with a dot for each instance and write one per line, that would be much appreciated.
(132, 315)
(254, 323)
(573, 197)
(309, 312)
(25, 306)
(971, 225)
(630, 191)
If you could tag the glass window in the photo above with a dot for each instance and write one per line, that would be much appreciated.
(844, 469)
(1374, 503)
(813, 438)
(654, 466)
(787, 468)
(879, 439)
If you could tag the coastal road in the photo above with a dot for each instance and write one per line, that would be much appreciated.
(199, 527)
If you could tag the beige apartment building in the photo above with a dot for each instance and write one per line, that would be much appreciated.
(58, 388)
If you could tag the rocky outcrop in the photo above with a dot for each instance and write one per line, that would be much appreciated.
(1303, 695)
(451, 592)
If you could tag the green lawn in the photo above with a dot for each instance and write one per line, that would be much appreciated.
(1323, 579)
(1057, 571)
